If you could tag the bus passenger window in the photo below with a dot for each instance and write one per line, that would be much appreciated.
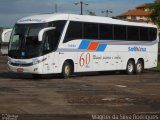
(91, 31)
(50, 43)
(152, 34)
(133, 33)
(106, 32)
(144, 34)
(119, 32)
(74, 31)
(59, 28)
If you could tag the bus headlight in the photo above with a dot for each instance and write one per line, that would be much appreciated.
(36, 61)
(24, 63)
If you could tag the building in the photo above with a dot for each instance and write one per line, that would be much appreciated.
(139, 14)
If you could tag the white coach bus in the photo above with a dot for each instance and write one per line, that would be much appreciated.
(67, 43)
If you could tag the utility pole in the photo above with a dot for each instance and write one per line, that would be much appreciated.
(107, 12)
(81, 4)
(56, 8)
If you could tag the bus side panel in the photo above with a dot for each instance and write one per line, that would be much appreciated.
(151, 56)
(96, 61)
(67, 56)
(50, 64)
(151, 61)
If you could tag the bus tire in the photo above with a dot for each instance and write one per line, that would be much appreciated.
(130, 67)
(139, 67)
(36, 76)
(66, 70)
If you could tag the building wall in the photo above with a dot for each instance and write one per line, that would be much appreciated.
(144, 18)
(138, 18)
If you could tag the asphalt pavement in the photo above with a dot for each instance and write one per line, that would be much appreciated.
(86, 96)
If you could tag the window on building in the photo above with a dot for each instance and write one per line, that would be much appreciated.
(133, 17)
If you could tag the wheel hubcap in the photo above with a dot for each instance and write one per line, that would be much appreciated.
(67, 70)
(130, 67)
(139, 67)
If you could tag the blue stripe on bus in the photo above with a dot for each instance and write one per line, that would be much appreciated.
(101, 47)
(103, 44)
(84, 44)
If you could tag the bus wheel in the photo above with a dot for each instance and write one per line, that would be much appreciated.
(139, 67)
(36, 76)
(66, 70)
(130, 67)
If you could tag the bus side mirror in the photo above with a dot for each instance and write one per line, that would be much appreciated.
(6, 35)
(41, 32)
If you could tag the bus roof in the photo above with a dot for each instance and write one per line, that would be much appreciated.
(44, 18)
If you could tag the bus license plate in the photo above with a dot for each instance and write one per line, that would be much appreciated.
(20, 70)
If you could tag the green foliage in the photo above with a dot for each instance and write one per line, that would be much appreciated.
(155, 12)
(91, 13)
(158, 66)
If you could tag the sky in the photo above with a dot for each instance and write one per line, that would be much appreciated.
(12, 10)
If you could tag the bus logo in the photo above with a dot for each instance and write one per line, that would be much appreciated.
(136, 49)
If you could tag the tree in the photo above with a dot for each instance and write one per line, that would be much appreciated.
(155, 12)
(92, 13)
(89, 12)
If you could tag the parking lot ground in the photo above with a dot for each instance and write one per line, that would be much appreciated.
(80, 97)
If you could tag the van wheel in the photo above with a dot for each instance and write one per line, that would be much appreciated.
(130, 67)
(66, 70)
(139, 67)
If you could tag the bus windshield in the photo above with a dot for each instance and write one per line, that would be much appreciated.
(24, 41)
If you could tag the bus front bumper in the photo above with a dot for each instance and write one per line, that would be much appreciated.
(34, 69)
